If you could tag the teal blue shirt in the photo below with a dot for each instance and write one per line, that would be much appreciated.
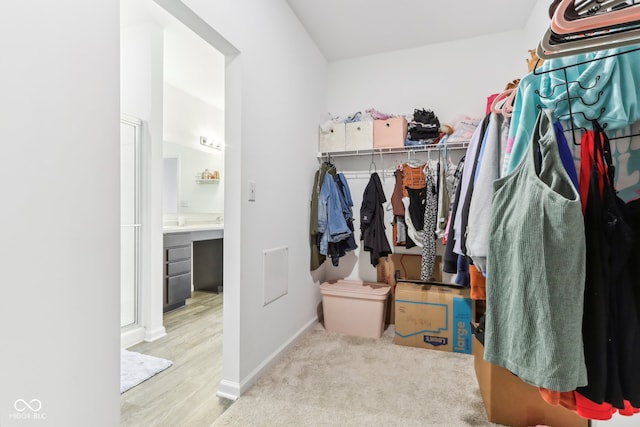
(609, 90)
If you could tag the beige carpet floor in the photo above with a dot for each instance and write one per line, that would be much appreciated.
(329, 379)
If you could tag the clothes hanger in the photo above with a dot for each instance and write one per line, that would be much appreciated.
(554, 45)
(534, 61)
(591, 7)
(413, 161)
(620, 32)
(507, 107)
(547, 49)
(581, 8)
(562, 23)
(508, 95)
(566, 38)
(503, 95)
(373, 163)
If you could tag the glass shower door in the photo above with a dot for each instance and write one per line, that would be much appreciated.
(129, 221)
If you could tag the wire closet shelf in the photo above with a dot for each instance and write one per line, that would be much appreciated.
(395, 150)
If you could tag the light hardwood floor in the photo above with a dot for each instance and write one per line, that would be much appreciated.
(184, 394)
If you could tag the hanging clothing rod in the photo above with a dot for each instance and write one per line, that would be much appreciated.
(366, 174)
(587, 61)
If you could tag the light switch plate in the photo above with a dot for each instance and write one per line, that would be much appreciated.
(252, 191)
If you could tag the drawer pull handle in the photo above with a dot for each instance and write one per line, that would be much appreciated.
(388, 124)
(358, 127)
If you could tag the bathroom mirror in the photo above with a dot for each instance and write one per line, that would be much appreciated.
(184, 191)
(170, 186)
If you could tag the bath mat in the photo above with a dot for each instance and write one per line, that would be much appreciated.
(137, 367)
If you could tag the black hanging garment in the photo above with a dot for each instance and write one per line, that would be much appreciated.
(611, 323)
(450, 258)
(372, 228)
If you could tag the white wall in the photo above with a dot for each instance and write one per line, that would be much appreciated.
(60, 250)
(450, 78)
(187, 117)
(538, 24)
(279, 77)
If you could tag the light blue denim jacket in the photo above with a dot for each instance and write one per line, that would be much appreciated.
(333, 211)
(345, 198)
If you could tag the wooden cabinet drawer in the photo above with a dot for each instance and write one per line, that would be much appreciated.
(176, 239)
(178, 253)
(179, 267)
(178, 288)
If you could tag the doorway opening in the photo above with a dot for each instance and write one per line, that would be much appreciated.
(173, 79)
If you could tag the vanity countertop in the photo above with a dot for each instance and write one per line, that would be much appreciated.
(192, 228)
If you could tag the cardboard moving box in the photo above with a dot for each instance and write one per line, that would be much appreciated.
(398, 267)
(433, 316)
(510, 401)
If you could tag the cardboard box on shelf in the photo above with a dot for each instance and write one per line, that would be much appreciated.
(432, 316)
(510, 401)
(406, 267)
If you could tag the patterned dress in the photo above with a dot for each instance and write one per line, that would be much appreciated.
(429, 229)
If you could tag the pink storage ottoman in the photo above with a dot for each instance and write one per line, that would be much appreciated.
(354, 307)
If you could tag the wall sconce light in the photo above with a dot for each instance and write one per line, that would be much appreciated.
(210, 143)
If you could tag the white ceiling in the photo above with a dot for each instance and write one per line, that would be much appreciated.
(345, 29)
(341, 29)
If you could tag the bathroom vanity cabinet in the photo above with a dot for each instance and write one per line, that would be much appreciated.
(193, 259)
(177, 270)
(207, 264)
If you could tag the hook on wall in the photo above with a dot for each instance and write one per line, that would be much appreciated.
(553, 89)
(582, 100)
(584, 116)
(328, 160)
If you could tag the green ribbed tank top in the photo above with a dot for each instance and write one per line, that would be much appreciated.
(536, 269)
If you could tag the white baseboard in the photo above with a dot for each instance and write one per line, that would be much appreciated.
(233, 390)
(155, 334)
(228, 390)
(131, 336)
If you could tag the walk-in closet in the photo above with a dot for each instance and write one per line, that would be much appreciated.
(529, 211)
(430, 214)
